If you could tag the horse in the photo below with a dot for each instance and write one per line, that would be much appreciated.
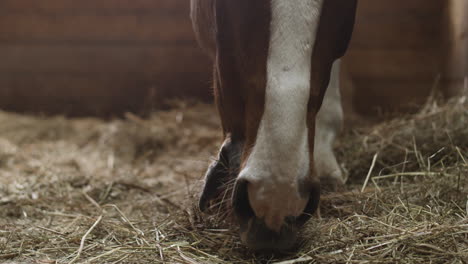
(276, 66)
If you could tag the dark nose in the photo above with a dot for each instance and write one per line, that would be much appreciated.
(256, 235)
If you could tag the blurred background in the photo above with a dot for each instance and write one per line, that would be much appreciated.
(108, 57)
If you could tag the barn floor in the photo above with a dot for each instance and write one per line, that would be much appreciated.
(124, 191)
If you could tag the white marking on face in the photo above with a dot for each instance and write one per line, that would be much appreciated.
(280, 157)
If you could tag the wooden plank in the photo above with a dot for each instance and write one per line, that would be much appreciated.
(387, 33)
(84, 85)
(380, 7)
(170, 60)
(398, 23)
(393, 63)
(376, 96)
(96, 94)
(94, 28)
(63, 6)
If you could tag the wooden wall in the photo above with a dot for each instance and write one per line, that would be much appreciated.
(97, 56)
(395, 56)
(110, 56)
(455, 48)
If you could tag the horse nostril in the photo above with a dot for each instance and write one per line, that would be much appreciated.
(313, 188)
(240, 202)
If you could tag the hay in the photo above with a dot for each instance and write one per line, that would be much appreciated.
(124, 191)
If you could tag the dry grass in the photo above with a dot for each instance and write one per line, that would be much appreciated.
(90, 191)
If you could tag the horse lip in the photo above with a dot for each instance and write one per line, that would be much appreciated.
(258, 237)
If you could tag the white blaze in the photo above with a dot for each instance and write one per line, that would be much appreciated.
(280, 156)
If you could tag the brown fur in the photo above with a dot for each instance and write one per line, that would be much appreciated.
(236, 35)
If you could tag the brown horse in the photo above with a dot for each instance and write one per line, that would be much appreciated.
(273, 61)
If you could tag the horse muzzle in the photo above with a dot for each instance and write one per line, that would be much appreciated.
(254, 232)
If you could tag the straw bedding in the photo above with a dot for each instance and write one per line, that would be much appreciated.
(124, 191)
